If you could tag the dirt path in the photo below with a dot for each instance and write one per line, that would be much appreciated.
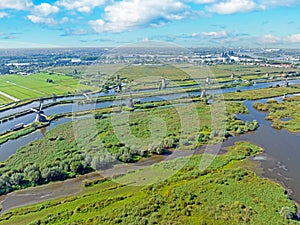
(9, 96)
(9, 82)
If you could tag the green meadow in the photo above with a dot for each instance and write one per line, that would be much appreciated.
(36, 86)
(171, 192)
(143, 76)
(261, 93)
(283, 115)
(84, 145)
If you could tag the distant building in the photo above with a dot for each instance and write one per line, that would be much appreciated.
(76, 60)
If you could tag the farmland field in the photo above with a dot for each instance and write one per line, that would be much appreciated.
(36, 85)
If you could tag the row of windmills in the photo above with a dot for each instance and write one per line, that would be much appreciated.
(161, 85)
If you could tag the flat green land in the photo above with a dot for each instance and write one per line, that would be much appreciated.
(261, 93)
(227, 70)
(143, 76)
(149, 76)
(283, 115)
(223, 73)
(36, 85)
(222, 193)
(80, 147)
(4, 99)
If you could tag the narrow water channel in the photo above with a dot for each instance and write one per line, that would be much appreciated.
(280, 160)
(68, 108)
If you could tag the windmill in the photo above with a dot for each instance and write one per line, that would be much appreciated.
(40, 116)
(86, 96)
(130, 103)
(203, 94)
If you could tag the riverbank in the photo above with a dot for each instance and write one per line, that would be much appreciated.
(284, 114)
(56, 138)
(241, 195)
(68, 152)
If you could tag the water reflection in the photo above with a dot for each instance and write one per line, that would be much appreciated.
(9, 148)
(280, 160)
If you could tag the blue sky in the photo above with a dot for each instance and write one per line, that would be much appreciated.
(204, 23)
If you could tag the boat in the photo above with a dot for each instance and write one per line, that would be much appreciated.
(18, 127)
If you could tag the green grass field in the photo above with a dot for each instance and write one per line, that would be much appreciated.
(223, 193)
(261, 93)
(74, 148)
(288, 109)
(140, 77)
(4, 99)
(35, 86)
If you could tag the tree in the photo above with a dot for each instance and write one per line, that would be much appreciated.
(17, 178)
(30, 168)
(35, 177)
(157, 148)
(52, 174)
(287, 213)
(5, 180)
(77, 167)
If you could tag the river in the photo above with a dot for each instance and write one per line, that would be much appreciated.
(280, 160)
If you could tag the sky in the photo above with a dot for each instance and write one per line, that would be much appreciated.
(111, 23)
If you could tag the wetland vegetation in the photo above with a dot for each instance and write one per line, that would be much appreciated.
(61, 154)
(225, 192)
(283, 114)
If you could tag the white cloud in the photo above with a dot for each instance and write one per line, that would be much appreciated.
(271, 39)
(98, 25)
(131, 14)
(232, 6)
(15, 4)
(70, 32)
(44, 20)
(295, 38)
(84, 6)
(269, 3)
(243, 6)
(201, 1)
(3, 15)
(45, 9)
(212, 34)
(64, 20)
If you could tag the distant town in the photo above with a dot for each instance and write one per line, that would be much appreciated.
(29, 61)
